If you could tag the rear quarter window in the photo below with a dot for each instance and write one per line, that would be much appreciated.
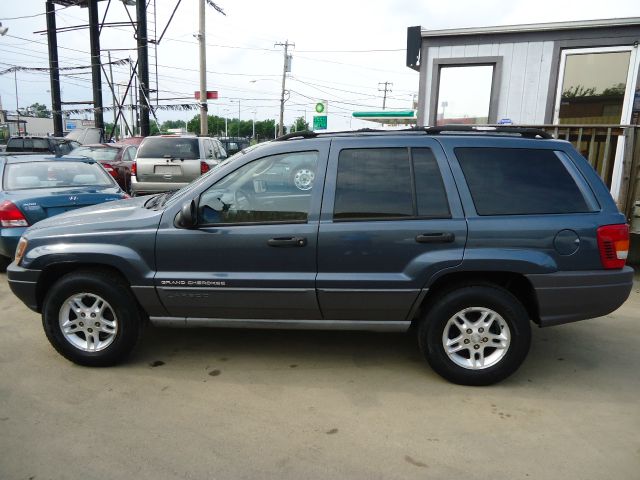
(520, 181)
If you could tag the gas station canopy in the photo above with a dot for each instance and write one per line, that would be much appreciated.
(389, 117)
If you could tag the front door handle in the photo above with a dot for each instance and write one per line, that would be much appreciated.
(445, 237)
(287, 242)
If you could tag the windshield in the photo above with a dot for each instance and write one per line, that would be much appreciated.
(159, 147)
(28, 175)
(97, 153)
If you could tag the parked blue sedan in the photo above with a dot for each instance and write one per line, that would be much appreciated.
(35, 187)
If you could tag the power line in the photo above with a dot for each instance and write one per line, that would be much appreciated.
(40, 14)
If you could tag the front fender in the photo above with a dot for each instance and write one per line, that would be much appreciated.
(136, 268)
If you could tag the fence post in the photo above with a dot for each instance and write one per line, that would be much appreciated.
(630, 162)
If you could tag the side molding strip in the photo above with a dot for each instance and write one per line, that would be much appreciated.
(372, 326)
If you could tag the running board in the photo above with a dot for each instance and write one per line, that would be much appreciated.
(372, 326)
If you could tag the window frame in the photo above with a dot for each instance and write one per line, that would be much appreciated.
(412, 179)
(438, 63)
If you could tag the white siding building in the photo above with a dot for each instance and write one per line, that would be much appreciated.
(579, 79)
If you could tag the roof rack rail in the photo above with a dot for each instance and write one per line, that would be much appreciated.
(522, 131)
(310, 134)
(300, 134)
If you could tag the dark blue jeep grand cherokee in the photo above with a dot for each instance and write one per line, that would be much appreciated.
(465, 235)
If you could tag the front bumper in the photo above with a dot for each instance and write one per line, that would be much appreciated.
(565, 297)
(23, 284)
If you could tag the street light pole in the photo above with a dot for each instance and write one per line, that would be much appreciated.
(253, 135)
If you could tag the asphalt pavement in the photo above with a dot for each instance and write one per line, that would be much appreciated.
(236, 404)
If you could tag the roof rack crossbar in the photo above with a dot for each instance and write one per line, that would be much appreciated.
(522, 131)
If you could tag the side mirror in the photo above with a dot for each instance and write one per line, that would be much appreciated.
(187, 217)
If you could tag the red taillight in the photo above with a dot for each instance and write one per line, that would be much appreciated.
(110, 169)
(613, 243)
(11, 216)
(204, 167)
(134, 169)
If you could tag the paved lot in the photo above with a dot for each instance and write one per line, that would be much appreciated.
(300, 405)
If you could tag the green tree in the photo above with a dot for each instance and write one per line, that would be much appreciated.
(166, 125)
(299, 125)
(578, 91)
(154, 128)
(107, 131)
(39, 110)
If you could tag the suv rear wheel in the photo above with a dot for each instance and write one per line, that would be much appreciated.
(475, 335)
(91, 318)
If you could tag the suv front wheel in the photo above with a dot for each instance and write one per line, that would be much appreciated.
(475, 335)
(92, 318)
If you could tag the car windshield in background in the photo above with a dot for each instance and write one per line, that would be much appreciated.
(155, 147)
(97, 153)
(22, 176)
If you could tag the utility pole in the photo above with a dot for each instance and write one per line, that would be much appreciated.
(96, 77)
(286, 67)
(387, 88)
(54, 73)
(204, 124)
(113, 95)
(143, 67)
(15, 79)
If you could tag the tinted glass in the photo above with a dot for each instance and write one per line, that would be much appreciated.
(373, 183)
(272, 189)
(431, 198)
(40, 145)
(20, 176)
(97, 153)
(15, 145)
(158, 147)
(513, 181)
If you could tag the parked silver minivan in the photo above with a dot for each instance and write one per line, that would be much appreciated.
(169, 162)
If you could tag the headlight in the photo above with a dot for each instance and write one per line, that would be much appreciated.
(20, 249)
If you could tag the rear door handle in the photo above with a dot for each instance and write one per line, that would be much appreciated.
(287, 242)
(445, 237)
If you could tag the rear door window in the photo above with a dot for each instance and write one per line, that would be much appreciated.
(389, 183)
(519, 181)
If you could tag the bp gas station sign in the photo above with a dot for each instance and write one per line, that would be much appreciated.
(320, 119)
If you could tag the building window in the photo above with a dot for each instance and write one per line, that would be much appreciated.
(593, 85)
(464, 94)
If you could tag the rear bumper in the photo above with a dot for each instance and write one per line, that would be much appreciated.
(23, 283)
(143, 188)
(565, 297)
(9, 241)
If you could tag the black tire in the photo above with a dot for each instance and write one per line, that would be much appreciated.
(512, 316)
(4, 263)
(123, 306)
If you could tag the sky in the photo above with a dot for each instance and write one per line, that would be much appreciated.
(343, 51)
